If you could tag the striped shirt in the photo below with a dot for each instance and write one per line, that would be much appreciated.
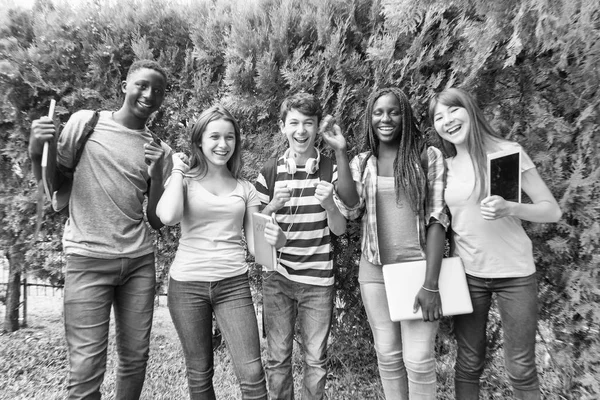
(306, 257)
(366, 186)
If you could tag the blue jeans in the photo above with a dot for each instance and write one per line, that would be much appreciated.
(92, 287)
(284, 301)
(405, 350)
(191, 305)
(517, 303)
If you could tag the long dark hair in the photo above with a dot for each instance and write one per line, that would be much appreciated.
(409, 168)
(481, 138)
(198, 165)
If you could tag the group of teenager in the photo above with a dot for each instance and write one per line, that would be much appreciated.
(407, 194)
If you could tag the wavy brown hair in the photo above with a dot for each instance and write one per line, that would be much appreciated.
(198, 165)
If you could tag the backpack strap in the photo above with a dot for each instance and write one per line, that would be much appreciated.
(270, 174)
(326, 169)
(88, 129)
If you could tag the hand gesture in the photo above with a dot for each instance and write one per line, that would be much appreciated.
(430, 303)
(274, 234)
(154, 156)
(181, 162)
(495, 207)
(281, 195)
(332, 134)
(324, 194)
(42, 131)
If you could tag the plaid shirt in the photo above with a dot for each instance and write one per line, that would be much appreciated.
(366, 186)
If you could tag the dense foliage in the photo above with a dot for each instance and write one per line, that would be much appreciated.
(533, 65)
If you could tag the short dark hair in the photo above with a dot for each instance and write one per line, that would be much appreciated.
(304, 102)
(150, 64)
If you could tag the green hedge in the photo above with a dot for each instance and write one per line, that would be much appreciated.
(533, 65)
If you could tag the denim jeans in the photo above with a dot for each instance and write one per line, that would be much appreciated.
(517, 303)
(191, 305)
(92, 287)
(405, 350)
(284, 301)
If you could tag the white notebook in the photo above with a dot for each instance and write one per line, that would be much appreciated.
(264, 253)
(404, 280)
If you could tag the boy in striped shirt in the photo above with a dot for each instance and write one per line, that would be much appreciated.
(301, 286)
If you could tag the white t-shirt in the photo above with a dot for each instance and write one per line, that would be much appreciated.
(211, 244)
(488, 249)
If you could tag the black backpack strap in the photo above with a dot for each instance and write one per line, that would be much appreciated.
(326, 169)
(88, 129)
(270, 175)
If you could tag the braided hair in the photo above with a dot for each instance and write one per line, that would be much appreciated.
(410, 163)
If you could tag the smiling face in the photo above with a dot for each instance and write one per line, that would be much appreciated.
(144, 93)
(386, 119)
(218, 142)
(300, 130)
(452, 123)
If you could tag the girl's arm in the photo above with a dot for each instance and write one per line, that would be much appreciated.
(544, 207)
(428, 298)
(248, 227)
(170, 205)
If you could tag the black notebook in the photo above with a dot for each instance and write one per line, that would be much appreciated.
(504, 174)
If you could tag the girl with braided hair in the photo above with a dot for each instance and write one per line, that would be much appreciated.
(396, 185)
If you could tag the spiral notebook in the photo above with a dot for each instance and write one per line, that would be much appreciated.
(404, 280)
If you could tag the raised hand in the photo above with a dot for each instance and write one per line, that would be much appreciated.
(281, 195)
(332, 134)
(42, 131)
(324, 194)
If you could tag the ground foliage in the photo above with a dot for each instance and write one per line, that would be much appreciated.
(532, 64)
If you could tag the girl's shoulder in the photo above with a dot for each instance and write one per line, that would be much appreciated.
(246, 186)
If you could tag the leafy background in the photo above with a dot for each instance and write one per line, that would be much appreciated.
(532, 64)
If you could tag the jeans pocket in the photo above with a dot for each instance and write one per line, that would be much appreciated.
(268, 275)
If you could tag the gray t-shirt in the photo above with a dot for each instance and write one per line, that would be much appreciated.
(110, 183)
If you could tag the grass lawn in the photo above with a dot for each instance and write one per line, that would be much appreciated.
(33, 364)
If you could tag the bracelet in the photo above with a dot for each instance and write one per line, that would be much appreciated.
(175, 171)
(430, 290)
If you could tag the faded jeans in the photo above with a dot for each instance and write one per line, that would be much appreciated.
(92, 287)
(191, 305)
(284, 301)
(517, 303)
(405, 350)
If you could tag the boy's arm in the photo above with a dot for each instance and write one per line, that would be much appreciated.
(335, 219)
(345, 187)
(155, 154)
(170, 205)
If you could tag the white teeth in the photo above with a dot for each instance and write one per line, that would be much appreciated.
(301, 140)
(453, 130)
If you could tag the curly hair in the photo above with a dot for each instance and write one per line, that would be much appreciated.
(150, 64)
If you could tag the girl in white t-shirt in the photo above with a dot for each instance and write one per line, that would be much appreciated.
(488, 236)
(209, 273)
